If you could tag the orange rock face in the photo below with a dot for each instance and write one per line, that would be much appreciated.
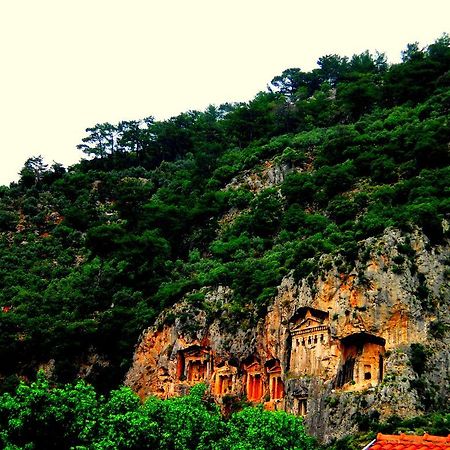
(321, 347)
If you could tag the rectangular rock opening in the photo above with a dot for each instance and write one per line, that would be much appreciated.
(276, 385)
(362, 360)
(225, 384)
(302, 406)
(194, 364)
(196, 370)
(254, 387)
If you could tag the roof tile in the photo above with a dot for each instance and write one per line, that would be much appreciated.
(407, 442)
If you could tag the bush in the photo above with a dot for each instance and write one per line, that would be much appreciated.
(418, 357)
(74, 416)
(8, 220)
(256, 429)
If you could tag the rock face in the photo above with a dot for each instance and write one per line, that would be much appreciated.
(339, 348)
(271, 174)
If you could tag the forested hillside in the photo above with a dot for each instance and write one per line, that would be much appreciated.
(237, 195)
(40, 416)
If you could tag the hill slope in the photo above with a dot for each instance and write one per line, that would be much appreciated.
(240, 195)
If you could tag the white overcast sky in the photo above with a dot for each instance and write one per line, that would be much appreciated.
(67, 65)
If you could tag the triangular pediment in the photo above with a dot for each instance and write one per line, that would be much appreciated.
(300, 392)
(196, 351)
(310, 322)
(306, 317)
(274, 369)
(226, 369)
(253, 367)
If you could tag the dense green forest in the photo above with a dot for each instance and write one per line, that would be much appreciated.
(74, 416)
(90, 255)
(39, 417)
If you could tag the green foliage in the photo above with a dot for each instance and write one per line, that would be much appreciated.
(8, 220)
(256, 429)
(240, 198)
(299, 188)
(418, 358)
(438, 329)
(90, 256)
(40, 416)
(437, 424)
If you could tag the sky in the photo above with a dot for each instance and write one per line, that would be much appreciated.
(67, 65)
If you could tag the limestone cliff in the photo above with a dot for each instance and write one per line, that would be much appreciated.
(270, 174)
(350, 343)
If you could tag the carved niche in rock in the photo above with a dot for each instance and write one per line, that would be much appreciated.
(194, 364)
(300, 401)
(225, 380)
(276, 386)
(362, 361)
(310, 341)
(254, 384)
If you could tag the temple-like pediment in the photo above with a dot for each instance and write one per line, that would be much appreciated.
(194, 364)
(307, 312)
(226, 369)
(310, 322)
(253, 367)
(273, 366)
(196, 351)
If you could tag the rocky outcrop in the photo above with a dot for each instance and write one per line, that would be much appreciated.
(347, 345)
(271, 174)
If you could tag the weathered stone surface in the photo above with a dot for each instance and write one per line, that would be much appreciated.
(271, 174)
(335, 348)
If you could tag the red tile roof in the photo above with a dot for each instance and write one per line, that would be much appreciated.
(407, 442)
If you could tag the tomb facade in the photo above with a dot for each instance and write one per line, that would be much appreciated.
(276, 385)
(225, 378)
(254, 383)
(302, 406)
(362, 361)
(194, 364)
(310, 342)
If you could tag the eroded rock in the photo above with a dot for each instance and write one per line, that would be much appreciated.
(335, 349)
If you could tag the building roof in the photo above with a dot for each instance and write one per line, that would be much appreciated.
(407, 442)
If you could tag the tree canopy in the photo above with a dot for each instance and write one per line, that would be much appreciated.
(40, 416)
(238, 195)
